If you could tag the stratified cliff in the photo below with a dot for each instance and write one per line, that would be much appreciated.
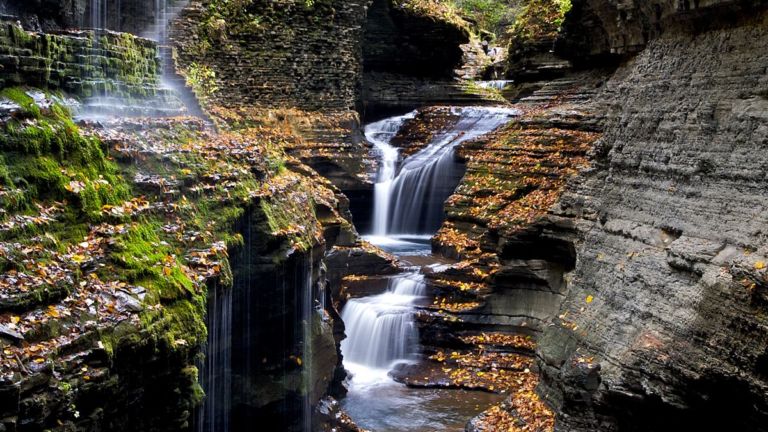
(664, 322)
(652, 256)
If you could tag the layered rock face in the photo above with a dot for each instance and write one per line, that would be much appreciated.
(285, 54)
(399, 40)
(664, 322)
(410, 52)
(80, 63)
(290, 55)
(598, 27)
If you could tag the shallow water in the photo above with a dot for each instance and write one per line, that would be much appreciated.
(378, 403)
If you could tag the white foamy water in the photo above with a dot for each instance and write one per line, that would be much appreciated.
(409, 196)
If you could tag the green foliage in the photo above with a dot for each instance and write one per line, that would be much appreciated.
(491, 15)
(540, 19)
(202, 79)
(234, 17)
(436, 9)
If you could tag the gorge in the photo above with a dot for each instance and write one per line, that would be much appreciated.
(383, 215)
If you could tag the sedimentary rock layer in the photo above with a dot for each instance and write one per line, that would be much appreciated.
(664, 323)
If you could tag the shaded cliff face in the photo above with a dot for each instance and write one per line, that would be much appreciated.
(411, 51)
(664, 322)
(400, 40)
(596, 28)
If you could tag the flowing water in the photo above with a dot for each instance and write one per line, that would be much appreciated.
(381, 331)
(170, 98)
(494, 84)
(409, 198)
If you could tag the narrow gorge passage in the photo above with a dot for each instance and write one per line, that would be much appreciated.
(381, 332)
(383, 215)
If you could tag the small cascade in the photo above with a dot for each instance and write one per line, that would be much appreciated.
(307, 314)
(380, 134)
(411, 202)
(99, 15)
(494, 84)
(169, 96)
(380, 329)
(262, 329)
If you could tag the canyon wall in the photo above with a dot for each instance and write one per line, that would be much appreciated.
(411, 50)
(276, 54)
(663, 326)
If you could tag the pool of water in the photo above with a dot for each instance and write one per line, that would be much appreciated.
(403, 245)
(379, 404)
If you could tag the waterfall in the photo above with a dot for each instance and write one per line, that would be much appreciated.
(409, 200)
(494, 84)
(380, 329)
(98, 16)
(216, 368)
(380, 134)
(307, 314)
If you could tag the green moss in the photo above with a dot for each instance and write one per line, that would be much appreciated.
(46, 158)
(148, 261)
(20, 97)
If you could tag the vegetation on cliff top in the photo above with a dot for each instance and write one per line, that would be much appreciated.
(490, 15)
(538, 20)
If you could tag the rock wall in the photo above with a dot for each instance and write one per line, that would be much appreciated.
(301, 60)
(398, 40)
(597, 27)
(132, 16)
(290, 54)
(664, 323)
(410, 55)
(493, 220)
(81, 63)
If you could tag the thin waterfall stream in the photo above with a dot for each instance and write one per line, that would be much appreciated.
(381, 330)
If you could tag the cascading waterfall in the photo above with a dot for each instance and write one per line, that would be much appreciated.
(411, 201)
(408, 205)
(494, 84)
(380, 329)
(380, 134)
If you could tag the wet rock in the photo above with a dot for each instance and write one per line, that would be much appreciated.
(122, 67)
(128, 302)
(11, 334)
(329, 417)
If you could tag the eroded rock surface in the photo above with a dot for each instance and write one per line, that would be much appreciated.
(664, 321)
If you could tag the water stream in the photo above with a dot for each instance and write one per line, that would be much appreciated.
(408, 208)
(409, 194)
